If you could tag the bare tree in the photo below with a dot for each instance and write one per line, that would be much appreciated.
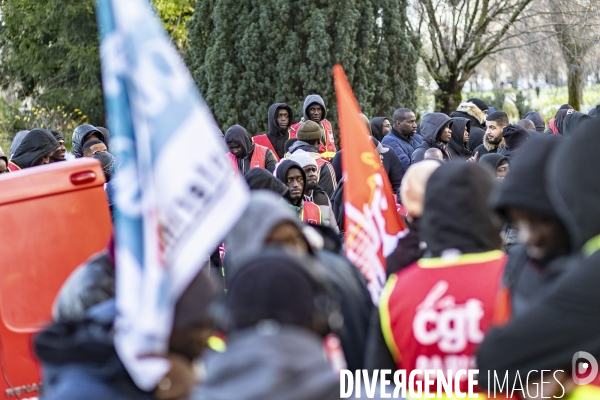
(576, 23)
(459, 34)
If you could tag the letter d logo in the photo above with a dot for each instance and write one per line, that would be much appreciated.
(579, 369)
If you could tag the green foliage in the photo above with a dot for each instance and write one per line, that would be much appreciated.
(496, 100)
(174, 15)
(247, 55)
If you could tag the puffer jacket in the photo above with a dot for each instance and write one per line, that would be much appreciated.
(431, 127)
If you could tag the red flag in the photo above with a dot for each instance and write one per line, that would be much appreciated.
(373, 226)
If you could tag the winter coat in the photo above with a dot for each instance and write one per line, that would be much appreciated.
(402, 145)
(320, 198)
(572, 122)
(80, 134)
(432, 125)
(566, 320)
(537, 120)
(327, 180)
(487, 148)
(80, 362)
(16, 142)
(261, 179)
(276, 135)
(36, 144)
(89, 284)
(238, 134)
(457, 148)
(287, 363)
(477, 117)
(377, 127)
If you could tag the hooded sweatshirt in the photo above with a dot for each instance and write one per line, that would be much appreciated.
(80, 134)
(16, 142)
(261, 179)
(455, 215)
(327, 176)
(239, 135)
(469, 110)
(566, 320)
(432, 125)
(572, 121)
(537, 120)
(457, 148)
(276, 135)
(515, 137)
(35, 145)
(377, 127)
(281, 173)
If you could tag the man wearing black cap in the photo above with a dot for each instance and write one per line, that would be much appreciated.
(476, 111)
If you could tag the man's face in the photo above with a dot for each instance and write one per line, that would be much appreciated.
(545, 238)
(43, 160)
(386, 127)
(466, 136)
(312, 177)
(407, 126)
(94, 149)
(235, 148)
(494, 132)
(315, 113)
(3, 166)
(295, 183)
(283, 118)
(446, 135)
(59, 154)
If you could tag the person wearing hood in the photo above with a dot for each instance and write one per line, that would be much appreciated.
(274, 332)
(459, 142)
(403, 138)
(437, 133)
(314, 110)
(476, 111)
(497, 163)
(572, 122)
(493, 142)
(594, 112)
(16, 142)
(85, 133)
(35, 149)
(514, 137)
(267, 221)
(293, 176)
(537, 119)
(313, 192)
(555, 124)
(529, 126)
(565, 320)
(3, 162)
(308, 136)
(280, 120)
(245, 154)
(458, 276)
(522, 198)
(261, 179)
(380, 127)
(60, 153)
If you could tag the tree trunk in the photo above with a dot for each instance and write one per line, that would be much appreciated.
(448, 96)
(575, 84)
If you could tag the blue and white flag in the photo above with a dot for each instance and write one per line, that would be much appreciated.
(176, 195)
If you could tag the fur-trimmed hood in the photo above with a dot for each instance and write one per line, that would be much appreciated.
(472, 110)
(489, 147)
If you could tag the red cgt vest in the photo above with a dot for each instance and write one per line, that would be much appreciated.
(263, 140)
(436, 312)
(328, 151)
(12, 167)
(257, 161)
(311, 213)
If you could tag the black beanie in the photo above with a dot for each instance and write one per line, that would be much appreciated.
(272, 285)
(479, 103)
(525, 186)
(514, 136)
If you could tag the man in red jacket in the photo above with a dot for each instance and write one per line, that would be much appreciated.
(434, 313)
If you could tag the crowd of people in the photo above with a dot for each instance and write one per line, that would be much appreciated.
(497, 269)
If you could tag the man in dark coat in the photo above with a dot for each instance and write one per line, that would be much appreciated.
(537, 119)
(515, 137)
(436, 131)
(35, 149)
(476, 111)
(403, 138)
(280, 120)
(459, 143)
(84, 133)
(493, 142)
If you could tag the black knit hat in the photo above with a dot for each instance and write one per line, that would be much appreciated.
(525, 186)
(479, 103)
(514, 136)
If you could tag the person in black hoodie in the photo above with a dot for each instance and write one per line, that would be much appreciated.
(515, 137)
(476, 111)
(459, 143)
(241, 146)
(566, 320)
(436, 131)
(280, 120)
(261, 179)
(572, 122)
(521, 198)
(380, 127)
(537, 120)
(35, 149)
(84, 133)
